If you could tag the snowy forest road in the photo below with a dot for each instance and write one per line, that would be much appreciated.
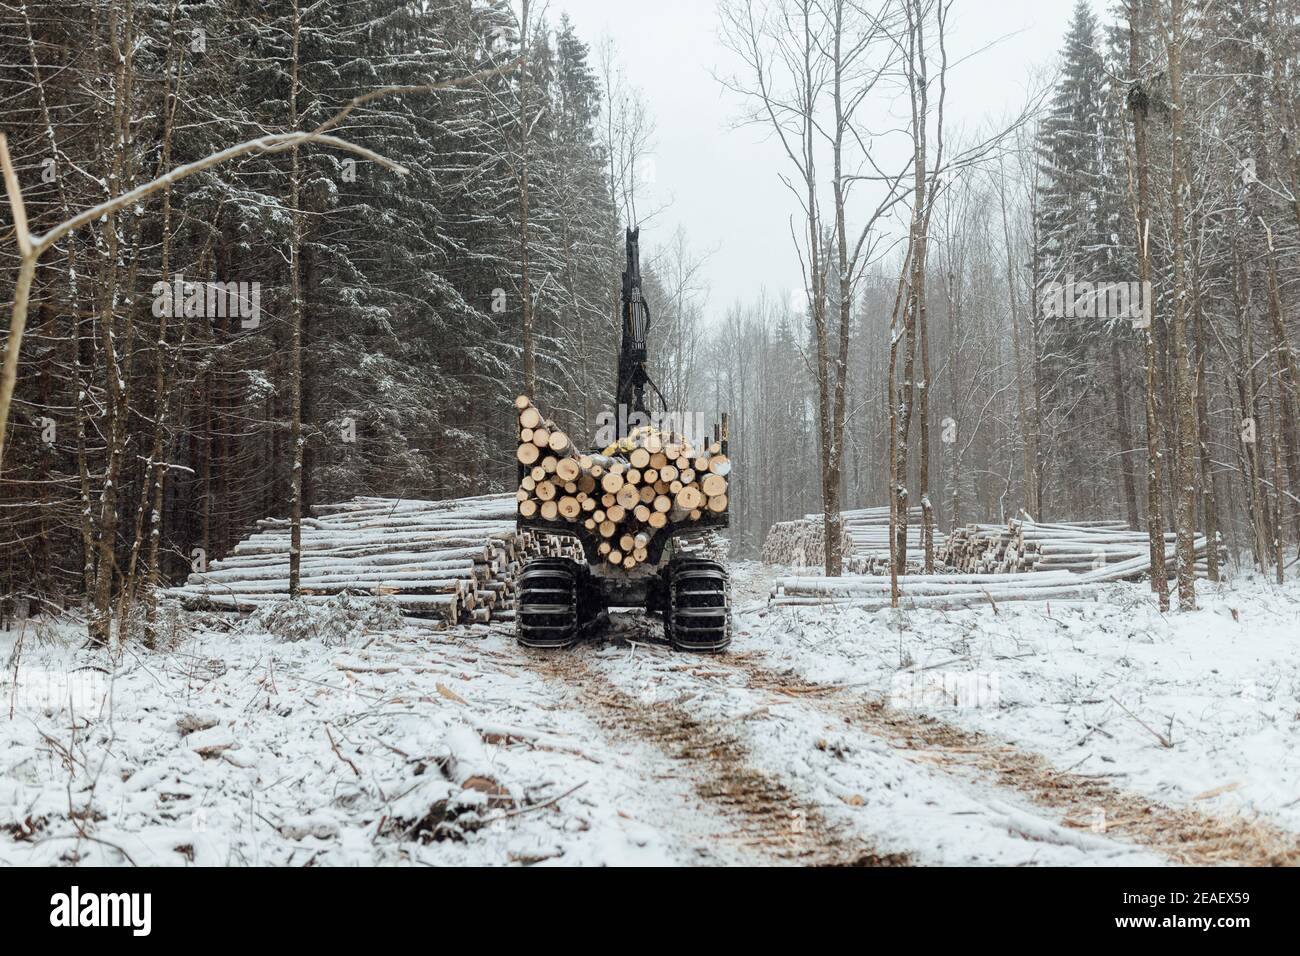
(768, 822)
(825, 774)
(814, 775)
(1079, 801)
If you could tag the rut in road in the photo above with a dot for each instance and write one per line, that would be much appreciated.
(771, 820)
(1182, 834)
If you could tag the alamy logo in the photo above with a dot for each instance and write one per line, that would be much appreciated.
(961, 689)
(691, 426)
(103, 909)
(209, 300)
(49, 691)
(1098, 300)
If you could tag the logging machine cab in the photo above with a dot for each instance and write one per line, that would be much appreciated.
(643, 510)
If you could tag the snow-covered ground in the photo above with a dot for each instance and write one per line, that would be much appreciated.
(242, 748)
(1201, 707)
(1029, 735)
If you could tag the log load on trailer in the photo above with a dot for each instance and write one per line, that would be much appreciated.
(639, 507)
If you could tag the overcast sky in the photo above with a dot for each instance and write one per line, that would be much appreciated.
(721, 181)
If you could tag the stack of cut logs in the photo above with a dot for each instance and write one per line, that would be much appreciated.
(622, 495)
(868, 528)
(801, 543)
(1047, 584)
(1020, 545)
(872, 592)
(1080, 546)
(865, 541)
(454, 560)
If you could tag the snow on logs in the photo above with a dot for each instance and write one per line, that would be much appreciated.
(624, 494)
(451, 560)
(1081, 546)
(872, 592)
(864, 545)
(801, 543)
(1092, 551)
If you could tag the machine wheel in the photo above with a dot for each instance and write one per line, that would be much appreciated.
(547, 604)
(698, 614)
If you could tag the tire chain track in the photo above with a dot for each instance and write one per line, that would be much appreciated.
(1183, 834)
(770, 818)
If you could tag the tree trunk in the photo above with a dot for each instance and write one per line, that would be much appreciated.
(1124, 433)
(1209, 499)
(295, 325)
(1155, 516)
(1184, 402)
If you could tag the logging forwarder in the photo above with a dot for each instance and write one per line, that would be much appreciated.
(643, 509)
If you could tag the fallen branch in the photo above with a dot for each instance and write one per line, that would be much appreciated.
(338, 753)
(1164, 741)
(537, 806)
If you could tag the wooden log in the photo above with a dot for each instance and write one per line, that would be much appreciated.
(689, 498)
(713, 485)
(468, 766)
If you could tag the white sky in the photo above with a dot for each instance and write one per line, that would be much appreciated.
(722, 182)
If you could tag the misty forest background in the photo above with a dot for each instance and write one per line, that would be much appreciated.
(416, 296)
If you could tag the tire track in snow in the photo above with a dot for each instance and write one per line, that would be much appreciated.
(1182, 834)
(770, 820)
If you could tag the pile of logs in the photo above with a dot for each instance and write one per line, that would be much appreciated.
(872, 592)
(1080, 546)
(865, 542)
(868, 528)
(964, 590)
(454, 560)
(801, 543)
(1021, 545)
(625, 494)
